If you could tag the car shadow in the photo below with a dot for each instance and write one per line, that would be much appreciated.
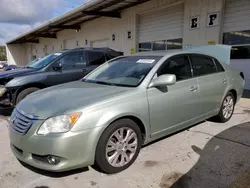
(223, 162)
(246, 94)
(54, 174)
(172, 134)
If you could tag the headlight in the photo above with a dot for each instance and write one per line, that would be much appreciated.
(58, 124)
(2, 91)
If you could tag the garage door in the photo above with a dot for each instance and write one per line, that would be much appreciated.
(162, 27)
(236, 32)
(100, 43)
(50, 49)
(70, 44)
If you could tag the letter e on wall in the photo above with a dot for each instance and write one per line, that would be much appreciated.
(194, 22)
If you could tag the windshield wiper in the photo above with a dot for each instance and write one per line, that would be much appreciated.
(104, 83)
(98, 82)
(30, 67)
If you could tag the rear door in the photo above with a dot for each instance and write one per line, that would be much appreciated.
(212, 82)
(94, 59)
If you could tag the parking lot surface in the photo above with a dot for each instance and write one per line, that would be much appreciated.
(207, 155)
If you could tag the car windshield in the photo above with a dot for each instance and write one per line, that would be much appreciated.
(125, 71)
(43, 62)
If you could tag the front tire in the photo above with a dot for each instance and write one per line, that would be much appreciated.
(118, 146)
(25, 93)
(227, 108)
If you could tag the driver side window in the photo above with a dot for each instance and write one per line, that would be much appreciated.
(74, 60)
(179, 66)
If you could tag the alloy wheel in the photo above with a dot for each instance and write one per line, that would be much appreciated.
(228, 107)
(121, 147)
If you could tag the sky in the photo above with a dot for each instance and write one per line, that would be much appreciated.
(20, 16)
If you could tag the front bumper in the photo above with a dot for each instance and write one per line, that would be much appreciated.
(74, 149)
(5, 98)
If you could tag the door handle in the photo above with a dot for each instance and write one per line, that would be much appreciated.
(193, 88)
(223, 81)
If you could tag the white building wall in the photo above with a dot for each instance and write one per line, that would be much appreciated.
(17, 54)
(203, 34)
(103, 28)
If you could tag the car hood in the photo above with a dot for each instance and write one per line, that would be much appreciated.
(16, 72)
(59, 99)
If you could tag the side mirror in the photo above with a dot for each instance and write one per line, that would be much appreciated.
(57, 66)
(163, 80)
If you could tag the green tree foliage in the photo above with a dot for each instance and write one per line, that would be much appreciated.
(3, 56)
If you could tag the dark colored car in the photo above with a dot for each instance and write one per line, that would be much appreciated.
(10, 67)
(56, 68)
(3, 64)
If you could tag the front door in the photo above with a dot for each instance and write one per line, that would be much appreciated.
(73, 68)
(173, 106)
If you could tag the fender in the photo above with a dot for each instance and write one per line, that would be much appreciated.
(25, 80)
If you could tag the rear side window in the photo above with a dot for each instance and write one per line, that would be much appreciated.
(219, 66)
(96, 58)
(202, 65)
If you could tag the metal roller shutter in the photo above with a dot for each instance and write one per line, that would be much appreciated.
(161, 25)
(100, 43)
(237, 29)
(237, 14)
(70, 44)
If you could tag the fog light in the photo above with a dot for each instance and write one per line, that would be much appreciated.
(53, 160)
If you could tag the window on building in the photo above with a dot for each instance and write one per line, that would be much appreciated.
(73, 60)
(145, 46)
(240, 52)
(96, 58)
(171, 44)
(174, 44)
(159, 45)
(202, 65)
(179, 66)
(240, 40)
(236, 37)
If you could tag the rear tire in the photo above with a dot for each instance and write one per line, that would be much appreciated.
(227, 108)
(114, 153)
(25, 93)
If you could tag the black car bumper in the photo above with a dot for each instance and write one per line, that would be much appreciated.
(5, 99)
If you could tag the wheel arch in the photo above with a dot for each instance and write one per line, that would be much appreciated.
(26, 86)
(234, 92)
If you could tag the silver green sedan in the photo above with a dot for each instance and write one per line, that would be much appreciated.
(106, 117)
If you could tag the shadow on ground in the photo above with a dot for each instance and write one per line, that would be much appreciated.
(54, 174)
(224, 162)
(246, 95)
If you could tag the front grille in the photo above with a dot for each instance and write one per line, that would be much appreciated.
(21, 121)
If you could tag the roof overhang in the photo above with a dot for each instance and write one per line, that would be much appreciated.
(74, 18)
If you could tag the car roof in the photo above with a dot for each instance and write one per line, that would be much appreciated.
(157, 53)
(94, 49)
(169, 53)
